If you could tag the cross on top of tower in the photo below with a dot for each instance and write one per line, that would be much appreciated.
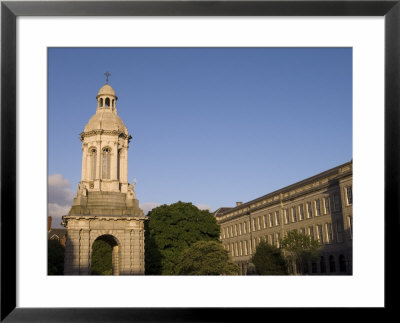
(107, 74)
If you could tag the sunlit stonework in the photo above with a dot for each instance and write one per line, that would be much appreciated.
(105, 206)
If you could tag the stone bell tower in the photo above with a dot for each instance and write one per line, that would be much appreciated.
(105, 206)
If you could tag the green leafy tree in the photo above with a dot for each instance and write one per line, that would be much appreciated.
(269, 260)
(172, 229)
(101, 258)
(298, 249)
(55, 258)
(206, 258)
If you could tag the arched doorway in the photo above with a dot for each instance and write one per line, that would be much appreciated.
(105, 256)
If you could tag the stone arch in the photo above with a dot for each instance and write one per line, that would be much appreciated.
(114, 242)
(107, 103)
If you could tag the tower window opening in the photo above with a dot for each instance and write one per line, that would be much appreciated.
(107, 103)
(101, 102)
(93, 154)
(106, 159)
(113, 103)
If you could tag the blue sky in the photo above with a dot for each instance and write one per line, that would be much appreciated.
(210, 126)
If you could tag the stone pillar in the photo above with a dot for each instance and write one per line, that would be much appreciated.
(115, 261)
(84, 162)
(123, 169)
(84, 252)
(141, 249)
(98, 162)
(71, 259)
(124, 165)
(114, 162)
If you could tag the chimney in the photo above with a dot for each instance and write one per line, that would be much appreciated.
(239, 203)
(48, 223)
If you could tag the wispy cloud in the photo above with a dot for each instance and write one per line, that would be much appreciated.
(60, 198)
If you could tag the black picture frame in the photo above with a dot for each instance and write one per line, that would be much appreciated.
(10, 10)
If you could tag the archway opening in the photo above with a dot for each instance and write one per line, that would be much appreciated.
(105, 256)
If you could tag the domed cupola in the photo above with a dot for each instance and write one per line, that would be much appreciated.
(106, 98)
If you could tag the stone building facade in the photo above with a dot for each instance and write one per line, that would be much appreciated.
(320, 206)
(105, 206)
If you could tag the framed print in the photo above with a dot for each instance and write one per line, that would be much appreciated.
(39, 41)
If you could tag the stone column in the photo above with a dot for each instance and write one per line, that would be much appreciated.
(114, 162)
(115, 260)
(123, 169)
(124, 165)
(84, 252)
(84, 161)
(71, 258)
(127, 254)
(141, 249)
(98, 161)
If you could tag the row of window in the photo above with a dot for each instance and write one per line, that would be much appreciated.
(325, 234)
(105, 163)
(331, 263)
(291, 215)
(107, 103)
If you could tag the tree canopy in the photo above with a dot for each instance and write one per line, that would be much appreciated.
(172, 229)
(101, 258)
(206, 258)
(299, 248)
(55, 258)
(269, 260)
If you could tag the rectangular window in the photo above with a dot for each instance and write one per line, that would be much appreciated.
(277, 218)
(236, 230)
(271, 220)
(317, 208)
(320, 234)
(264, 221)
(287, 216)
(294, 214)
(245, 247)
(254, 225)
(278, 240)
(309, 210)
(327, 207)
(350, 225)
(231, 230)
(303, 231)
(311, 232)
(329, 232)
(301, 212)
(241, 248)
(240, 229)
(339, 231)
(259, 223)
(271, 239)
(244, 227)
(349, 194)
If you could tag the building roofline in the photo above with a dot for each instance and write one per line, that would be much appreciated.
(288, 188)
